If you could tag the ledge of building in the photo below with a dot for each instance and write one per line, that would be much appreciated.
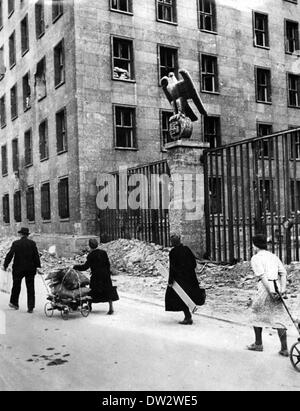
(185, 142)
(66, 245)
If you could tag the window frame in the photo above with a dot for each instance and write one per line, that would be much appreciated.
(131, 61)
(12, 50)
(64, 131)
(296, 91)
(17, 200)
(45, 213)
(39, 29)
(265, 32)
(163, 130)
(214, 75)
(286, 39)
(14, 100)
(268, 146)
(6, 208)
(213, 15)
(134, 146)
(15, 155)
(63, 196)
(62, 63)
(3, 119)
(42, 78)
(25, 49)
(176, 62)
(172, 7)
(26, 96)
(30, 205)
(28, 150)
(217, 137)
(116, 10)
(43, 125)
(268, 86)
(60, 7)
(4, 160)
(10, 8)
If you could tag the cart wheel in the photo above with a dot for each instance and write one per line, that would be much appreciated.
(85, 310)
(65, 313)
(49, 310)
(295, 356)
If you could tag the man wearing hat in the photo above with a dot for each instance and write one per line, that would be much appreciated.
(26, 261)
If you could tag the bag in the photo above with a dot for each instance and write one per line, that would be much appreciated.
(5, 281)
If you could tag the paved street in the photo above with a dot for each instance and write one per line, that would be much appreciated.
(139, 348)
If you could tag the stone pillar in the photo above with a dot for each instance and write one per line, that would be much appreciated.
(186, 210)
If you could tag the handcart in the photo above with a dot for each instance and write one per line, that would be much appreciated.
(295, 349)
(66, 305)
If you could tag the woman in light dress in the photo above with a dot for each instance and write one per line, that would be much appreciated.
(267, 308)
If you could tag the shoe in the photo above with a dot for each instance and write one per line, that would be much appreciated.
(110, 312)
(186, 322)
(284, 353)
(30, 311)
(255, 347)
(11, 305)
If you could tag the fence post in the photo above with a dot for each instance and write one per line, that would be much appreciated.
(186, 210)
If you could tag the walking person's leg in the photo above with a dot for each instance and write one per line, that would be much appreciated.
(187, 317)
(30, 292)
(258, 345)
(111, 308)
(15, 292)
(283, 340)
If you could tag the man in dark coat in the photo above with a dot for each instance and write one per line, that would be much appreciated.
(101, 286)
(26, 261)
(182, 270)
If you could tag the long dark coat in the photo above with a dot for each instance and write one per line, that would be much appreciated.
(101, 286)
(182, 270)
(25, 255)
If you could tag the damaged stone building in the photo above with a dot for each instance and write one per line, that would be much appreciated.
(80, 94)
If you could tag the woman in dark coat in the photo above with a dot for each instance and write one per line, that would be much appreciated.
(101, 286)
(182, 270)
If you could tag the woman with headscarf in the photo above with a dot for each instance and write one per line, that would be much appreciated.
(101, 286)
(267, 308)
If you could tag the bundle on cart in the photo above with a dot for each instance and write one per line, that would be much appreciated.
(68, 283)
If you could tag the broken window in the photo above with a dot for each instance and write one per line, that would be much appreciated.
(212, 131)
(291, 36)
(166, 10)
(123, 68)
(15, 155)
(30, 211)
(39, 18)
(26, 92)
(168, 61)
(5, 208)
(43, 140)
(121, 5)
(28, 148)
(207, 15)
(2, 111)
(4, 160)
(61, 131)
(263, 85)
(209, 74)
(125, 127)
(45, 202)
(17, 207)
(294, 90)
(165, 127)
(12, 49)
(59, 64)
(57, 9)
(40, 79)
(261, 30)
(24, 35)
(63, 198)
(14, 102)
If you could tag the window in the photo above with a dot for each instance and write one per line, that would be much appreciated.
(295, 145)
(207, 15)
(2, 111)
(165, 127)
(59, 64)
(261, 30)
(291, 36)
(209, 74)
(123, 68)
(10, 7)
(168, 61)
(39, 19)
(45, 202)
(17, 207)
(30, 212)
(265, 147)
(63, 198)
(293, 90)
(24, 35)
(125, 127)
(61, 131)
(266, 194)
(166, 10)
(28, 148)
(43, 140)
(121, 5)
(40, 79)
(4, 160)
(57, 9)
(26, 92)
(15, 155)
(1, 14)
(5, 208)
(263, 85)
(12, 49)
(2, 65)
(212, 131)
(14, 102)
(215, 194)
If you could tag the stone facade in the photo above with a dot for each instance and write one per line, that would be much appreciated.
(90, 91)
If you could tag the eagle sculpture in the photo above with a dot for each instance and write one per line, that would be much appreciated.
(179, 92)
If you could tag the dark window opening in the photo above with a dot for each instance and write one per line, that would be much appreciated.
(39, 18)
(17, 207)
(30, 211)
(265, 147)
(15, 155)
(291, 36)
(12, 50)
(2, 111)
(59, 64)
(28, 148)
(293, 90)
(212, 131)
(209, 74)
(2, 65)
(43, 140)
(261, 30)
(123, 68)
(4, 160)
(121, 5)
(26, 92)
(45, 202)
(24, 35)
(207, 15)
(57, 9)
(168, 61)
(215, 194)
(61, 131)
(166, 10)
(295, 145)
(63, 198)
(40, 79)
(263, 85)
(125, 127)
(14, 102)
(5, 208)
